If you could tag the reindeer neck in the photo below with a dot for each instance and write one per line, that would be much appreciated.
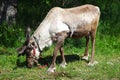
(42, 35)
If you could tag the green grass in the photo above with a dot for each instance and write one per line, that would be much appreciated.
(108, 67)
(107, 53)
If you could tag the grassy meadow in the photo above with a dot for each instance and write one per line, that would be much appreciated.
(31, 13)
(107, 54)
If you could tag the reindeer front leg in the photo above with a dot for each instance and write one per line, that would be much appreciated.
(60, 39)
(63, 64)
(57, 47)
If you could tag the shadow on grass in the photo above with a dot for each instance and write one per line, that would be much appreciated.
(69, 58)
(20, 64)
(48, 60)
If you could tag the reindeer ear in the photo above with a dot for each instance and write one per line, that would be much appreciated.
(28, 33)
(21, 50)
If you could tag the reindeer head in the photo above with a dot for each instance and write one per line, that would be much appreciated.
(29, 49)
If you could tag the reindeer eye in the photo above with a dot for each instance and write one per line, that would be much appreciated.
(33, 43)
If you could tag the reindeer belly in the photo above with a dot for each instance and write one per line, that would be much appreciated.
(80, 32)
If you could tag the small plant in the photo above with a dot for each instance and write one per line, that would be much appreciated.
(11, 36)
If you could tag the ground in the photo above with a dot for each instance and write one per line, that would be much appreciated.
(108, 67)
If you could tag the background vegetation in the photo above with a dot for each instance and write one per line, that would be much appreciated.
(32, 12)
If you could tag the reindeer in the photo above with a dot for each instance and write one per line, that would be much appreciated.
(59, 24)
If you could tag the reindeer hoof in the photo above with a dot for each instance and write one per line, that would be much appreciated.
(51, 70)
(85, 58)
(63, 65)
(92, 63)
